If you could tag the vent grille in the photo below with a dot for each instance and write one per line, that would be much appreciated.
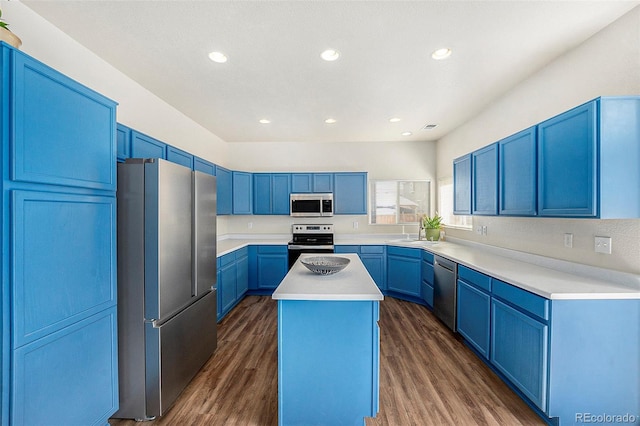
(429, 126)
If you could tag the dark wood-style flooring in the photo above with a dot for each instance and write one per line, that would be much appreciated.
(427, 375)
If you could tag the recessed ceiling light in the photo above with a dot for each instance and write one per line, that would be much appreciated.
(218, 57)
(330, 55)
(330, 120)
(394, 120)
(442, 53)
(406, 133)
(265, 121)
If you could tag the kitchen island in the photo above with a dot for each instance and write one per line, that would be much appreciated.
(328, 346)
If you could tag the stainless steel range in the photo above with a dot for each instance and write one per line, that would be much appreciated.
(310, 239)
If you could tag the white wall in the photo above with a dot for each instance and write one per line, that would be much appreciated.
(606, 64)
(138, 108)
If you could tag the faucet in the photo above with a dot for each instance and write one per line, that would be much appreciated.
(420, 230)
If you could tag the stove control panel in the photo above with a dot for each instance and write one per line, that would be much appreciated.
(312, 229)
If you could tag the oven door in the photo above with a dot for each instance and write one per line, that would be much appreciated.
(295, 250)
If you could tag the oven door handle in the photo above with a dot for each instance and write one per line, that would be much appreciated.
(300, 247)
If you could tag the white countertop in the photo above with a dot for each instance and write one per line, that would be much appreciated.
(352, 283)
(529, 272)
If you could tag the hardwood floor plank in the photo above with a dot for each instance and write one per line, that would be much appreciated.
(428, 376)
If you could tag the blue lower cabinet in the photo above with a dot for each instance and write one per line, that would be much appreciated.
(519, 350)
(69, 377)
(272, 264)
(233, 280)
(374, 259)
(404, 271)
(242, 274)
(474, 316)
(427, 274)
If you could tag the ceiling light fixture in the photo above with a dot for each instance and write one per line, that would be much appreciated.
(265, 121)
(394, 120)
(442, 53)
(330, 120)
(406, 133)
(218, 57)
(330, 55)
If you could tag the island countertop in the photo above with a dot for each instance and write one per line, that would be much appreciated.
(352, 283)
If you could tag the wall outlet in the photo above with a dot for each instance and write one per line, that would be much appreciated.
(479, 230)
(603, 245)
(355, 225)
(250, 225)
(484, 230)
(568, 240)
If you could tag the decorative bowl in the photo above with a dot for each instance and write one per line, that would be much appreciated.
(325, 265)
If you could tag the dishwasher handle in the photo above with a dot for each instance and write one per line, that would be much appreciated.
(445, 263)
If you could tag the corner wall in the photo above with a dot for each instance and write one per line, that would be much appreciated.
(606, 64)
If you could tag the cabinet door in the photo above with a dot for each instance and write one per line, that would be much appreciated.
(280, 190)
(63, 133)
(323, 182)
(272, 265)
(350, 193)
(517, 174)
(262, 194)
(375, 265)
(403, 271)
(519, 351)
(301, 182)
(567, 163)
(242, 276)
(474, 308)
(462, 185)
(484, 185)
(204, 166)
(242, 193)
(143, 146)
(123, 134)
(227, 287)
(179, 156)
(224, 187)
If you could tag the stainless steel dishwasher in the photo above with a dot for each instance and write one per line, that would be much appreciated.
(444, 291)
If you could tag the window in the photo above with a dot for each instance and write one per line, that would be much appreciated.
(445, 206)
(399, 201)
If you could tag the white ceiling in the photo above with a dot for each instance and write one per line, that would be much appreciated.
(274, 69)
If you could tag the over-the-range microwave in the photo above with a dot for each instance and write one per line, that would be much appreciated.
(311, 205)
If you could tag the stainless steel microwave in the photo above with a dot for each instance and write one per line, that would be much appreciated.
(311, 205)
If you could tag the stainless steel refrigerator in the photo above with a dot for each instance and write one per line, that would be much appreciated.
(166, 282)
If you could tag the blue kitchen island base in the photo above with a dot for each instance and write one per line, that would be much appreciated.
(328, 361)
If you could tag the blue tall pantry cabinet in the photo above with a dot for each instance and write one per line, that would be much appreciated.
(59, 339)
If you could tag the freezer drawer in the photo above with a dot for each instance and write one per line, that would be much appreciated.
(175, 352)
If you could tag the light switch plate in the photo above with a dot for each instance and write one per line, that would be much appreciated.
(603, 245)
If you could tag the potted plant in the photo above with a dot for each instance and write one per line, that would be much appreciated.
(431, 227)
(6, 35)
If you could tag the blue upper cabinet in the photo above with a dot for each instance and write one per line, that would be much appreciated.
(462, 185)
(271, 193)
(242, 193)
(224, 187)
(323, 182)
(301, 182)
(204, 166)
(350, 193)
(124, 142)
(517, 174)
(484, 184)
(589, 161)
(58, 123)
(567, 153)
(179, 156)
(143, 146)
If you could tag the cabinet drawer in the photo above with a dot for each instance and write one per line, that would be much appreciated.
(475, 278)
(346, 249)
(272, 249)
(243, 252)
(405, 252)
(427, 257)
(528, 302)
(227, 259)
(372, 249)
